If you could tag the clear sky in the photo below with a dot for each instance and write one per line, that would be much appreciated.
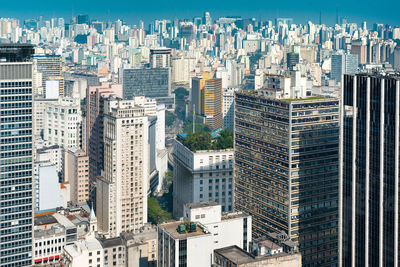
(131, 11)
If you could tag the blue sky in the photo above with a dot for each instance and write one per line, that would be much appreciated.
(132, 11)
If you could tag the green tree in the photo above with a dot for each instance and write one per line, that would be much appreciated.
(200, 127)
(155, 213)
(169, 176)
(198, 141)
(169, 118)
(180, 93)
(225, 140)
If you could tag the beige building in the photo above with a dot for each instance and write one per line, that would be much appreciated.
(234, 256)
(39, 110)
(121, 190)
(76, 172)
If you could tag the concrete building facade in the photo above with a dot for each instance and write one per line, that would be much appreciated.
(63, 123)
(202, 176)
(121, 192)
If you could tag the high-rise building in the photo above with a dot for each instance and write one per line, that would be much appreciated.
(360, 49)
(343, 64)
(207, 99)
(82, 19)
(121, 192)
(205, 175)
(153, 83)
(76, 173)
(286, 170)
(228, 99)
(16, 173)
(160, 58)
(48, 66)
(63, 123)
(292, 59)
(369, 171)
(95, 96)
(207, 19)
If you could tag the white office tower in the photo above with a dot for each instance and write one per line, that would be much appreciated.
(63, 123)
(191, 241)
(122, 189)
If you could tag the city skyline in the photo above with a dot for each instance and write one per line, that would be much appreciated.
(300, 11)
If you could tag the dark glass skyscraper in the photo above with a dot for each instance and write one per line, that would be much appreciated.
(286, 175)
(16, 155)
(369, 206)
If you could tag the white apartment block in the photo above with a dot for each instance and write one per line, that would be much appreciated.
(191, 241)
(39, 111)
(63, 123)
(122, 189)
(202, 176)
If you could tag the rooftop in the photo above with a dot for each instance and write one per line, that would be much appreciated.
(204, 141)
(45, 219)
(171, 229)
(201, 204)
(304, 98)
(233, 215)
(235, 254)
(111, 242)
(238, 256)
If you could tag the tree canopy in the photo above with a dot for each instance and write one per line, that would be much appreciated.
(204, 141)
(155, 213)
(169, 118)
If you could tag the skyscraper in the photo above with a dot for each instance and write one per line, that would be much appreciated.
(207, 99)
(154, 83)
(343, 64)
(160, 58)
(16, 203)
(286, 170)
(121, 193)
(48, 66)
(369, 171)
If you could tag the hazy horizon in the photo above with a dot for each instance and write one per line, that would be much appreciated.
(132, 12)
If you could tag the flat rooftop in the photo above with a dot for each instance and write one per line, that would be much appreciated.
(235, 254)
(201, 204)
(233, 215)
(45, 219)
(111, 242)
(171, 229)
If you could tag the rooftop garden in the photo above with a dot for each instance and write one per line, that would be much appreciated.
(304, 98)
(205, 141)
